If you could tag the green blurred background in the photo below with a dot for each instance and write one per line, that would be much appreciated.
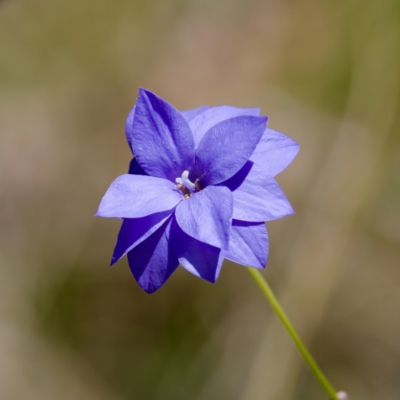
(327, 74)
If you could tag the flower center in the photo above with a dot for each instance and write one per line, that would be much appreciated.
(185, 181)
(186, 185)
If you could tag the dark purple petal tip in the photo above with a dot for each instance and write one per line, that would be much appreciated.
(153, 261)
(161, 137)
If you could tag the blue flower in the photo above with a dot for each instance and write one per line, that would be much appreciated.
(199, 189)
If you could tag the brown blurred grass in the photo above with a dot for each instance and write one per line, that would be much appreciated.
(326, 73)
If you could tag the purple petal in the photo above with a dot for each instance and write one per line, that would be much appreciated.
(153, 260)
(161, 137)
(236, 180)
(136, 196)
(128, 127)
(198, 258)
(134, 230)
(259, 198)
(206, 216)
(135, 168)
(190, 114)
(274, 152)
(248, 244)
(206, 120)
(227, 146)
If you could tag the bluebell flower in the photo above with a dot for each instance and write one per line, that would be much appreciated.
(199, 189)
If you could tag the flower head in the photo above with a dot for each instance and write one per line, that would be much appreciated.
(199, 189)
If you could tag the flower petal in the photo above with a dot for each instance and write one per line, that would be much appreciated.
(274, 152)
(134, 230)
(136, 196)
(129, 126)
(227, 146)
(153, 261)
(161, 137)
(135, 168)
(236, 180)
(206, 216)
(259, 198)
(248, 244)
(198, 258)
(204, 121)
(190, 114)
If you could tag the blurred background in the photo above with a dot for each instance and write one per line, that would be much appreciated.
(327, 74)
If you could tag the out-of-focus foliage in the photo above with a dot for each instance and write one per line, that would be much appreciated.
(327, 73)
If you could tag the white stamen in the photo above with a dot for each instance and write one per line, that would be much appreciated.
(185, 174)
(185, 181)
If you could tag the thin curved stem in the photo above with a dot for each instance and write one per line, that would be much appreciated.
(308, 358)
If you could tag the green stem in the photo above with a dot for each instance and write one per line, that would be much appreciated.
(308, 358)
